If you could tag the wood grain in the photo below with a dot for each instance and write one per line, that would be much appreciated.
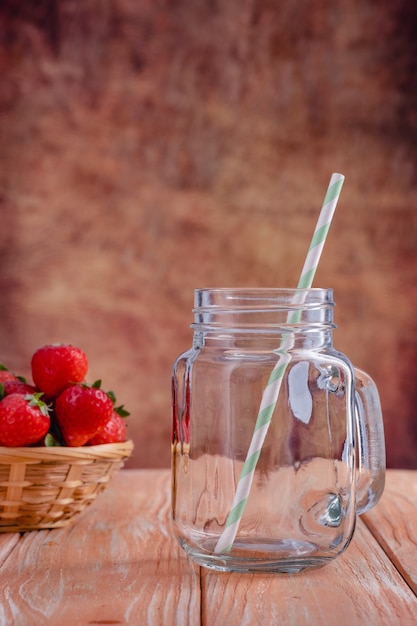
(394, 522)
(360, 587)
(7, 543)
(118, 564)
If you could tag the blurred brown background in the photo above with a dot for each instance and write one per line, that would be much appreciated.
(148, 148)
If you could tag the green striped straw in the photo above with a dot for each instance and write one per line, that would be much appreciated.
(271, 392)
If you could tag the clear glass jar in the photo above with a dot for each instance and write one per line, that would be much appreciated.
(321, 460)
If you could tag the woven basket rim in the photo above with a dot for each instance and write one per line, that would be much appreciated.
(64, 453)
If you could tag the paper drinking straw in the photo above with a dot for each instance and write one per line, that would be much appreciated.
(270, 394)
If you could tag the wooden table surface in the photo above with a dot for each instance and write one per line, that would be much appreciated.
(119, 564)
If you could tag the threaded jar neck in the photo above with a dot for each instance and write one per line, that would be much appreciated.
(261, 310)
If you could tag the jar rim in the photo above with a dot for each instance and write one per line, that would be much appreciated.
(263, 289)
(261, 296)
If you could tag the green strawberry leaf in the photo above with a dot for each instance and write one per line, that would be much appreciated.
(1, 391)
(120, 410)
(3, 368)
(34, 399)
(112, 396)
(50, 441)
(95, 385)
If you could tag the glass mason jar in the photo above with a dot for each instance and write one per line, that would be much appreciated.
(277, 439)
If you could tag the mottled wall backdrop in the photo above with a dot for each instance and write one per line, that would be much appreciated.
(150, 147)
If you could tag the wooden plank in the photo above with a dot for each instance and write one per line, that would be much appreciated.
(7, 543)
(394, 522)
(361, 587)
(117, 564)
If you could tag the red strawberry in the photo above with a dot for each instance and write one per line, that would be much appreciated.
(6, 375)
(56, 366)
(113, 432)
(81, 412)
(17, 386)
(24, 420)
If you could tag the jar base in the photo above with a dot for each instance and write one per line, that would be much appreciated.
(270, 564)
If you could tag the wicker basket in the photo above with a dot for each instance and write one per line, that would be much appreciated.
(46, 487)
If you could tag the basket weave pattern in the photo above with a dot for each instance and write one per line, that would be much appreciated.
(46, 487)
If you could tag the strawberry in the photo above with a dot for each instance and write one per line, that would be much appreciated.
(56, 366)
(5, 374)
(24, 420)
(113, 432)
(8, 387)
(81, 412)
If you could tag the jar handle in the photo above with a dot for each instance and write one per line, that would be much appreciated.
(371, 443)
